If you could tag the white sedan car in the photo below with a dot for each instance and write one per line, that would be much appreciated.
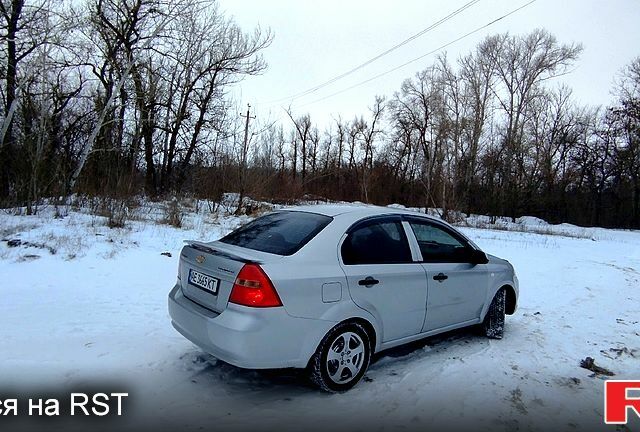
(324, 287)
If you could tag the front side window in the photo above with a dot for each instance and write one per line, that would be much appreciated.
(281, 233)
(377, 243)
(438, 245)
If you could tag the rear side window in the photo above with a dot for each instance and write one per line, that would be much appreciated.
(281, 233)
(377, 243)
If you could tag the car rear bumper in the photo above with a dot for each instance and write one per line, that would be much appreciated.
(252, 338)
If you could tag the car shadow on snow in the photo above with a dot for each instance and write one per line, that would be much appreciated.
(437, 343)
(207, 370)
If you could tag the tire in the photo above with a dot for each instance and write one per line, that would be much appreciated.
(493, 323)
(337, 365)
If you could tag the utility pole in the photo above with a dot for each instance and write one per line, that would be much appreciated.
(243, 161)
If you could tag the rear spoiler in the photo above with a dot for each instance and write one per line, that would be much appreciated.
(206, 248)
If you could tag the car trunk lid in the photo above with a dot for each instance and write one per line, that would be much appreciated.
(216, 260)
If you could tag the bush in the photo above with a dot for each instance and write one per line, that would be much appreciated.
(116, 210)
(173, 213)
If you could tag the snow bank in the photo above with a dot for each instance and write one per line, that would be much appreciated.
(96, 310)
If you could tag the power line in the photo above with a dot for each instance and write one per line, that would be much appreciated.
(373, 59)
(419, 58)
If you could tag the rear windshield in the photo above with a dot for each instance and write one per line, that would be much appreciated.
(281, 233)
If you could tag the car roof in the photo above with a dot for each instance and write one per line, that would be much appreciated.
(354, 210)
(357, 211)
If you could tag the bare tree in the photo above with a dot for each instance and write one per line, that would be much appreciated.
(476, 74)
(521, 64)
(302, 127)
(23, 28)
(415, 111)
(627, 118)
(369, 134)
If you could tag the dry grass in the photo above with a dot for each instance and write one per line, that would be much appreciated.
(116, 210)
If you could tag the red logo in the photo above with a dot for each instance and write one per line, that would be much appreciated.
(618, 400)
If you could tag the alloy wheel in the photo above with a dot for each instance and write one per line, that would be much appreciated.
(345, 357)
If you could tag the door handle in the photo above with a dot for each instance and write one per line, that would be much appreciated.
(368, 282)
(440, 277)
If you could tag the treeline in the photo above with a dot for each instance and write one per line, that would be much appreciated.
(121, 97)
(491, 133)
(115, 97)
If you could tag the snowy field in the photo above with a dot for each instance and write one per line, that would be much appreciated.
(85, 305)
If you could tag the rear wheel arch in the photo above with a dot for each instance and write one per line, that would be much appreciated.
(368, 327)
(368, 318)
(334, 367)
(371, 331)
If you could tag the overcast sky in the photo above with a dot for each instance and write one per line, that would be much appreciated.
(318, 40)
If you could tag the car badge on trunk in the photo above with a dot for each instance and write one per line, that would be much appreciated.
(200, 259)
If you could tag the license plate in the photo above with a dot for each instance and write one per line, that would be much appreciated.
(203, 281)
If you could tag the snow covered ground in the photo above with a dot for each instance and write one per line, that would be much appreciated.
(83, 304)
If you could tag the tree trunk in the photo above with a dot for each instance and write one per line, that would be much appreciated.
(7, 144)
(147, 120)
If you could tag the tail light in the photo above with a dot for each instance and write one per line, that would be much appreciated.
(254, 289)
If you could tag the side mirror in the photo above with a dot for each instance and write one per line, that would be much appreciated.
(478, 257)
